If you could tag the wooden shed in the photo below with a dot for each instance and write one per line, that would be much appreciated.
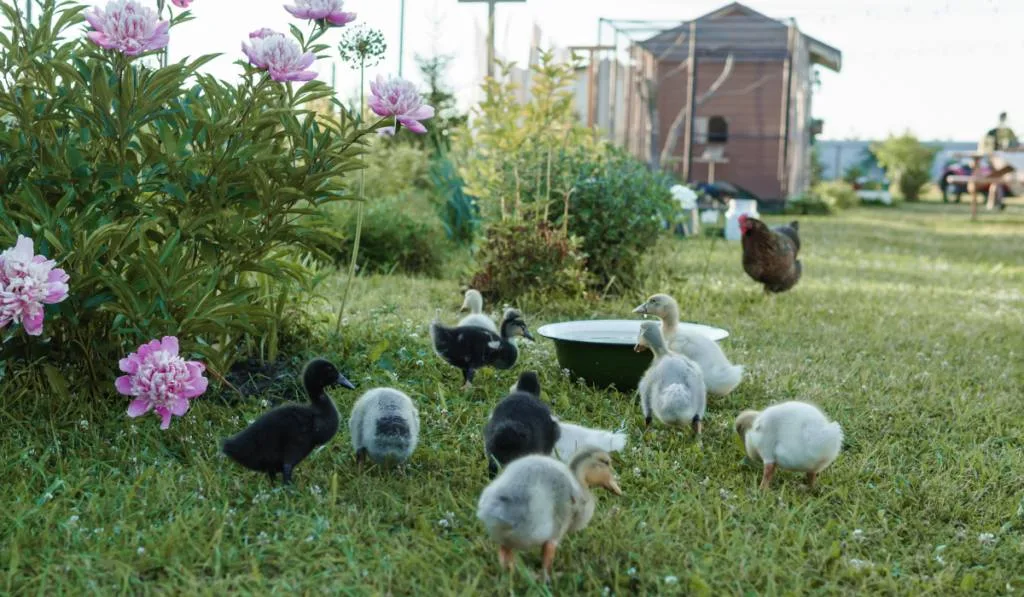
(750, 78)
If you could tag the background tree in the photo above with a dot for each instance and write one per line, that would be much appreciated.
(907, 163)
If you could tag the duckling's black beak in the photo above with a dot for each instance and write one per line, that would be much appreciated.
(528, 335)
(642, 309)
(344, 382)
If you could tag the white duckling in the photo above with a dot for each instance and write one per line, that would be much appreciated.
(720, 376)
(385, 426)
(572, 437)
(792, 435)
(474, 303)
(537, 499)
(672, 389)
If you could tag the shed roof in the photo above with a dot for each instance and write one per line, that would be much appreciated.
(748, 34)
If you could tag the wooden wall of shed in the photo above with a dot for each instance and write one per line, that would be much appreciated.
(751, 101)
(798, 174)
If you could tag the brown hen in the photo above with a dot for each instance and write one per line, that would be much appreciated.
(770, 254)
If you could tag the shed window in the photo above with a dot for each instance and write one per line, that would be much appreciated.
(718, 130)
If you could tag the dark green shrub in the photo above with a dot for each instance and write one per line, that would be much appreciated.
(807, 205)
(459, 212)
(401, 234)
(178, 203)
(530, 258)
(393, 168)
(618, 208)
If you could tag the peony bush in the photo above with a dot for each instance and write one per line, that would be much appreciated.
(177, 205)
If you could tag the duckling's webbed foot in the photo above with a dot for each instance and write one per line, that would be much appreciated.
(361, 457)
(647, 422)
(506, 557)
(548, 558)
(697, 425)
(467, 376)
(286, 473)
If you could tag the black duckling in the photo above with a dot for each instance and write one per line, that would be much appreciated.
(470, 347)
(385, 426)
(521, 424)
(280, 439)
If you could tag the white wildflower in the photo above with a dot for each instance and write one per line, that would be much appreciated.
(857, 534)
(84, 424)
(140, 550)
(987, 539)
(859, 564)
(671, 580)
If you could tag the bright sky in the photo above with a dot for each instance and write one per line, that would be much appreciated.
(943, 68)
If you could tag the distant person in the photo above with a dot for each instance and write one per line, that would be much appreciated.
(1000, 138)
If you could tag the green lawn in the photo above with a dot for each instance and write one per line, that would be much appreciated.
(907, 328)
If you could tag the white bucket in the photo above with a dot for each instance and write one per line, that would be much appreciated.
(738, 207)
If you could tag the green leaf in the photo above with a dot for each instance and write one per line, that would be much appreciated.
(58, 384)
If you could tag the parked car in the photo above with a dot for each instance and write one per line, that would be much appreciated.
(954, 190)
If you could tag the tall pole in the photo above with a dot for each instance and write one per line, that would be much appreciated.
(491, 4)
(334, 83)
(490, 37)
(401, 36)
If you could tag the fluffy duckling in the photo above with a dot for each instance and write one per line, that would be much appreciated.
(471, 347)
(280, 439)
(572, 437)
(385, 426)
(672, 389)
(521, 424)
(474, 303)
(720, 376)
(792, 435)
(536, 500)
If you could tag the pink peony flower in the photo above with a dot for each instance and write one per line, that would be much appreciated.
(27, 282)
(397, 97)
(329, 10)
(127, 27)
(278, 55)
(160, 380)
(263, 33)
(181, 3)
